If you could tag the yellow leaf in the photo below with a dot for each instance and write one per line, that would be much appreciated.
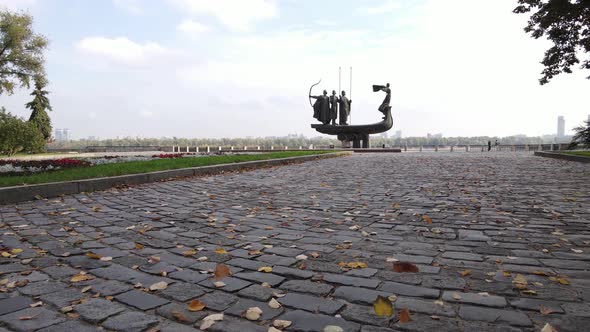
(138, 246)
(383, 307)
(520, 281)
(81, 277)
(221, 251)
(5, 254)
(529, 292)
(353, 265)
(266, 269)
(16, 251)
(465, 273)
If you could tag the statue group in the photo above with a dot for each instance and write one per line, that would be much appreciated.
(327, 109)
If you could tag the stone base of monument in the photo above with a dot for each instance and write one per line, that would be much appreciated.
(358, 135)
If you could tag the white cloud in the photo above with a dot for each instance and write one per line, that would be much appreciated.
(121, 49)
(146, 114)
(17, 4)
(387, 6)
(132, 6)
(191, 26)
(235, 14)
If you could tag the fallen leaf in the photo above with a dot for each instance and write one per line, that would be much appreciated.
(254, 252)
(383, 307)
(520, 281)
(333, 328)
(577, 251)
(560, 280)
(404, 267)
(202, 258)
(265, 269)
(221, 271)
(301, 257)
(281, 324)
(189, 252)
(545, 311)
(196, 305)
(28, 317)
(274, 304)
(219, 284)
(439, 302)
(529, 292)
(253, 313)
(208, 321)
(314, 254)
(138, 246)
(404, 316)
(36, 304)
(85, 289)
(541, 273)
(353, 265)
(548, 328)
(427, 219)
(106, 258)
(179, 316)
(159, 286)
(221, 251)
(465, 273)
(93, 255)
(16, 251)
(456, 296)
(81, 277)
(434, 317)
(273, 329)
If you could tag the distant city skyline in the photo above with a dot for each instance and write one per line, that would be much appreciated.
(243, 68)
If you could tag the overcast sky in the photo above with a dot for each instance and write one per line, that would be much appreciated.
(234, 68)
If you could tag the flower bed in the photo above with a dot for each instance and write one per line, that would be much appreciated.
(27, 167)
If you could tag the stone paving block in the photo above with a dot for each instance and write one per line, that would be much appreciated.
(141, 300)
(426, 306)
(64, 297)
(311, 303)
(231, 284)
(180, 313)
(292, 273)
(409, 290)
(577, 309)
(535, 305)
(474, 298)
(41, 317)
(365, 315)
(260, 277)
(239, 308)
(168, 326)
(182, 292)
(42, 287)
(96, 310)
(218, 300)
(359, 295)
(257, 292)
(13, 304)
(72, 326)
(110, 287)
(510, 317)
(131, 321)
(306, 286)
(189, 276)
(350, 281)
(463, 256)
(229, 324)
(311, 322)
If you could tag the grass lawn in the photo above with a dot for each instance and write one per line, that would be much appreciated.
(579, 153)
(135, 167)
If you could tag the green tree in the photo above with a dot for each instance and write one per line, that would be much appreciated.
(566, 23)
(17, 135)
(21, 52)
(582, 136)
(38, 107)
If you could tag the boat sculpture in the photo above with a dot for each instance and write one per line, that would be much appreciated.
(359, 134)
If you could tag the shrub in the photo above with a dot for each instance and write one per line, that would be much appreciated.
(17, 135)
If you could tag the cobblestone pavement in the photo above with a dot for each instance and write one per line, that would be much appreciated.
(501, 242)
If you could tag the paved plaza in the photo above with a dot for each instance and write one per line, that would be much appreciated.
(500, 242)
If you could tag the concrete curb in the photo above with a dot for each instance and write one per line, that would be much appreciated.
(563, 156)
(26, 193)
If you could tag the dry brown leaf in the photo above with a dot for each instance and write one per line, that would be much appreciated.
(314, 254)
(427, 219)
(353, 265)
(383, 307)
(253, 313)
(465, 273)
(404, 267)
(560, 280)
(138, 246)
(528, 292)
(281, 324)
(274, 304)
(81, 277)
(404, 316)
(179, 316)
(548, 328)
(520, 281)
(221, 271)
(93, 255)
(159, 286)
(196, 305)
(208, 321)
(545, 311)
(189, 252)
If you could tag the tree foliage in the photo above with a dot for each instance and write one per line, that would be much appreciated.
(566, 23)
(582, 136)
(21, 52)
(38, 107)
(17, 135)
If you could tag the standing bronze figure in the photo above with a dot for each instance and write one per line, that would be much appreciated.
(385, 104)
(344, 109)
(333, 107)
(321, 108)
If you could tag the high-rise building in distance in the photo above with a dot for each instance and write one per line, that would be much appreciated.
(560, 126)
